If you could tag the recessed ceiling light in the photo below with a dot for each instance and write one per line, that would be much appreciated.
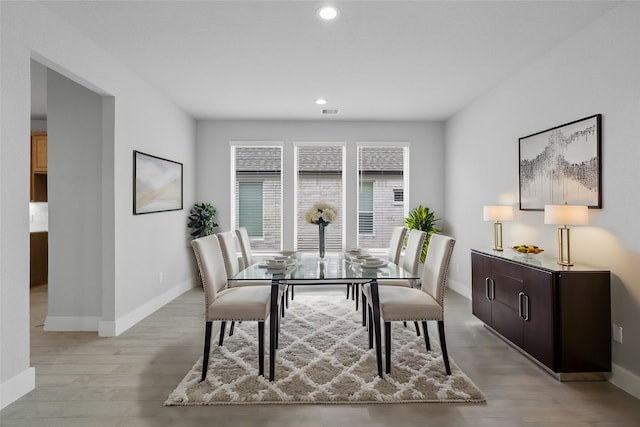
(328, 13)
(321, 101)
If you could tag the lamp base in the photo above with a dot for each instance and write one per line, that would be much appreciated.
(497, 236)
(564, 234)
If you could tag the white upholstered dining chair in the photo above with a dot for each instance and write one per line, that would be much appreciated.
(247, 303)
(229, 254)
(232, 266)
(247, 258)
(227, 241)
(393, 254)
(400, 303)
(410, 262)
(245, 246)
(396, 243)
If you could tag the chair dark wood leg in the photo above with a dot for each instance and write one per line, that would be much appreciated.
(404, 323)
(261, 348)
(426, 335)
(273, 322)
(223, 326)
(375, 303)
(291, 292)
(233, 324)
(282, 304)
(387, 346)
(417, 328)
(207, 349)
(370, 328)
(443, 346)
(365, 310)
(356, 291)
(286, 299)
(278, 331)
(348, 289)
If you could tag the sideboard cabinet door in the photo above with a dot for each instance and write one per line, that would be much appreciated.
(481, 288)
(539, 325)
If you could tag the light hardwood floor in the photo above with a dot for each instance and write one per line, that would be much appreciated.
(85, 380)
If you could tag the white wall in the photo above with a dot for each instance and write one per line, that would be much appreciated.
(426, 160)
(74, 155)
(134, 249)
(595, 71)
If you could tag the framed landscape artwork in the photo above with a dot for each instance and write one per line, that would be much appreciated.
(562, 165)
(157, 184)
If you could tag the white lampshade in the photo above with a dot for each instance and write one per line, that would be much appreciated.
(498, 213)
(566, 215)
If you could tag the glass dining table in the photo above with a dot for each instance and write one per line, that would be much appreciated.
(309, 269)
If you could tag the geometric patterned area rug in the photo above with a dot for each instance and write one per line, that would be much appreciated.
(323, 357)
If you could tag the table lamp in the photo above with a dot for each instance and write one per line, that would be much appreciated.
(497, 214)
(565, 215)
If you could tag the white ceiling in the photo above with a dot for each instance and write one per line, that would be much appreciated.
(380, 60)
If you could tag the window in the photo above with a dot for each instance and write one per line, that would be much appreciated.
(382, 174)
(257, 193)
(250, 213)
(365, 207)
(398, 195)
(319, 179)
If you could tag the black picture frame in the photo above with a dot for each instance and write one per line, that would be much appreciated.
(562, 165)
(157, 184)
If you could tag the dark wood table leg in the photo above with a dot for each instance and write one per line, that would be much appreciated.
(376, 324)
(273, 326)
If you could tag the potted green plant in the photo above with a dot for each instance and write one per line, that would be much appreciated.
(202, 220)
(421, 218)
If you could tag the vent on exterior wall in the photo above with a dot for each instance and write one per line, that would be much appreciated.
(331, 111)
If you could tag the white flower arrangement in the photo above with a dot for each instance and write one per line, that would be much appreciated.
(321, 213)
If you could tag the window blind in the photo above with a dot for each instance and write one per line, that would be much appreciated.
(257, 177)
(319, 171)
(365, 207)
(250, 212)
(381, 206)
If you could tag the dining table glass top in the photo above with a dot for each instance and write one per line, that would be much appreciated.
(335, 267)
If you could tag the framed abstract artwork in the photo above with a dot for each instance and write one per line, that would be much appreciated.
(157, 184)
(562, 165)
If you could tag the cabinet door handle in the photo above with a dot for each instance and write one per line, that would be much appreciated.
(490, 288)
(523, 305)
(520, 301)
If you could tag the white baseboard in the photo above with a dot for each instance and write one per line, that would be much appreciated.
(16, 387)
(71, 323)
(115, 328)
(626, 380)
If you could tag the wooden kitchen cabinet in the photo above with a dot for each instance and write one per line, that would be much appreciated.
(39, 260)
(39, 152)
(39, 167)
(559, 316)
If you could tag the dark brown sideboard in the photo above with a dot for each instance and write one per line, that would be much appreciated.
(559, 316)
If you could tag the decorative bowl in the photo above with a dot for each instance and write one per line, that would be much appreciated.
(527, 250)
